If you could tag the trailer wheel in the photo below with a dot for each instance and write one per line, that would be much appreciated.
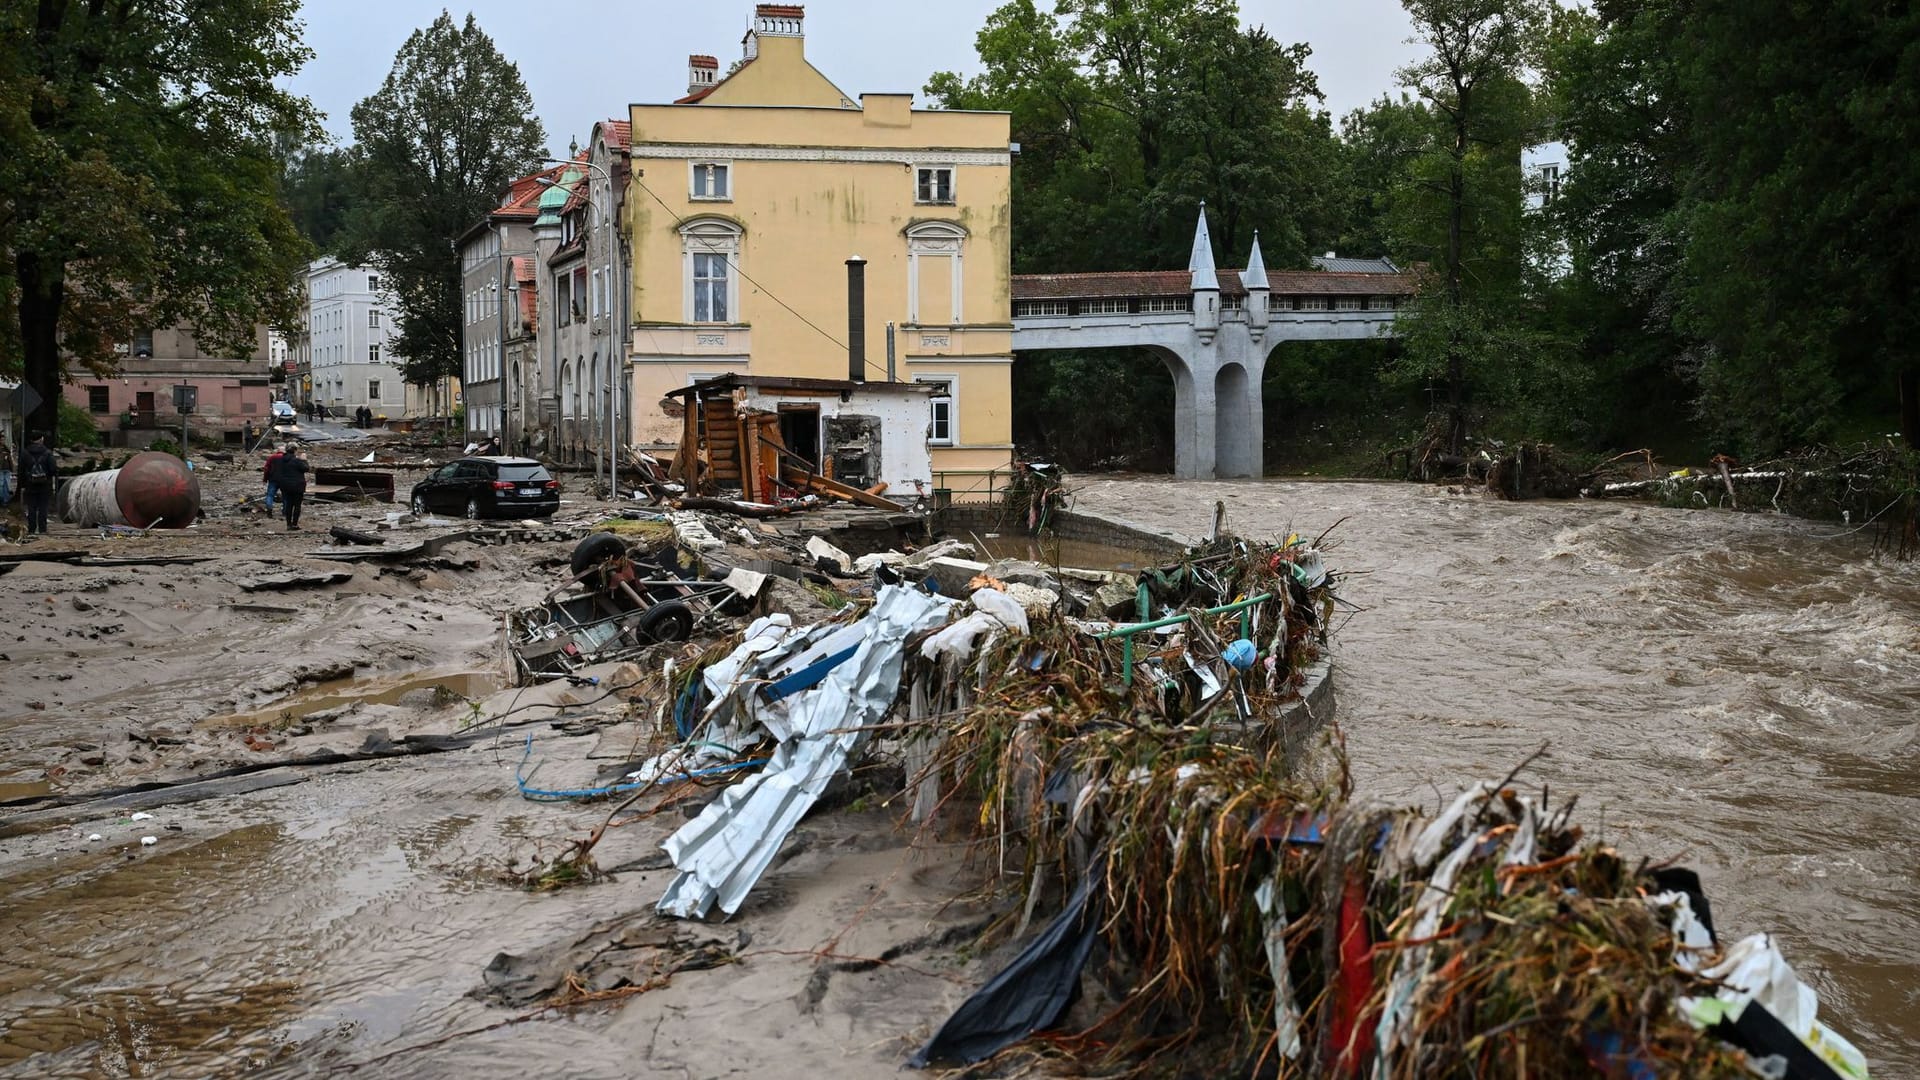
(669, 621)
(594, 550)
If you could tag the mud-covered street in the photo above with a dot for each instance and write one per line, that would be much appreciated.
(1737, 691)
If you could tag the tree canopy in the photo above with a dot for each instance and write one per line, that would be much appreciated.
(449, 129)
(139, 177)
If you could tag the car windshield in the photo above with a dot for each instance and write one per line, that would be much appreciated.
(523, 473)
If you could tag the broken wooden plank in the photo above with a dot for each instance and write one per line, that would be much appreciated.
(826, 486)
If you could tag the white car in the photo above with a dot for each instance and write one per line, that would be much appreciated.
(283, 413)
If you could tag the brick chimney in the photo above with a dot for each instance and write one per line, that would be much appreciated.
(702, 72)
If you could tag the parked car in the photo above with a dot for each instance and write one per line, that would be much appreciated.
(283, 413)
(481, 487)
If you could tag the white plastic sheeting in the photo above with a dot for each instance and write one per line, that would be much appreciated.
(1754, 972)
(724, 851)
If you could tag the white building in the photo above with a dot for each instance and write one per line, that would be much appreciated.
(1543, 169)
(348, 320)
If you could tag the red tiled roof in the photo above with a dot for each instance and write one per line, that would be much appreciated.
(619, 134)
(786, 11)
(1180, 283)
(699, 61)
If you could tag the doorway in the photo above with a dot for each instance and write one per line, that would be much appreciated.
(143, 406)
(800, 431)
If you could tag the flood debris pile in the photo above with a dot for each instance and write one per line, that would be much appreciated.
(1179, 884)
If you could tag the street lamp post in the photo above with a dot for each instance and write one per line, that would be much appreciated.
(616, 347)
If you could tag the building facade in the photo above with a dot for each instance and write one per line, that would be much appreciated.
(749, 195)
(137, 401)
(347, 325)
(496, 331)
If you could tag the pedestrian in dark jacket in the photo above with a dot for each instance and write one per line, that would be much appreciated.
(38, 470)
(291, 477)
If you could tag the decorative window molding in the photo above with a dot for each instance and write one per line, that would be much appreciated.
(710, 253)
(936, 240)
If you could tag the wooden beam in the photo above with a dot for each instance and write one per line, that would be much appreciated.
(802, 479)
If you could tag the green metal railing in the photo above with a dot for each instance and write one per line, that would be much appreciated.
(1127, 632)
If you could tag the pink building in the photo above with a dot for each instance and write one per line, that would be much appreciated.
(136, 402)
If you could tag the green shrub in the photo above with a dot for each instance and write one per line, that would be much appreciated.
(166, 445)
(76, 426)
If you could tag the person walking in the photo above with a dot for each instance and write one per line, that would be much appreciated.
(37, 475)
(6, 473)
(271, 474)
(293, 484)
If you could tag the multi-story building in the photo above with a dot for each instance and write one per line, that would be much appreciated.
(582, 264)
(1543, 169)
(495, 338)
(348, 321)
(749, 195)
(137, 400)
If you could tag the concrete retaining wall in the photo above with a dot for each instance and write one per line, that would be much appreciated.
(1078, 525)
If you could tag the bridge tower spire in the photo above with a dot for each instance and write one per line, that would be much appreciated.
(1206, 282)
(1258, 291)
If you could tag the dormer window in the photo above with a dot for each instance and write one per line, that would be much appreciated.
(710, 181)
(934, 185)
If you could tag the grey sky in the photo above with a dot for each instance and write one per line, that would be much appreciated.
(585, 60)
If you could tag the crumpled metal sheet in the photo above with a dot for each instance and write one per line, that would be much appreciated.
(722, 853)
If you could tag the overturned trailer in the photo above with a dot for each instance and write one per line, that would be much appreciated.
(619, 601)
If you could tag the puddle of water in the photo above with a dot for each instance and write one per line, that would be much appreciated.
(14, 787)
(336, 693)
(1081, 554)
(104, 973)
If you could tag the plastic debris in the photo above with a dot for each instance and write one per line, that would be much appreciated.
(93, 837)
(149, 841)
(142, 816)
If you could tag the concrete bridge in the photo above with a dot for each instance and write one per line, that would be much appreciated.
(1214, 330)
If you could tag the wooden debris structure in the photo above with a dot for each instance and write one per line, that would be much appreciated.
(773, 439)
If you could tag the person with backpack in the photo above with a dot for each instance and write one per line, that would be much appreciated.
(273, 481)
(37, 475)
(291, 477)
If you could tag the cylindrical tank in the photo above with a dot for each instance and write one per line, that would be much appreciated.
(151, 490)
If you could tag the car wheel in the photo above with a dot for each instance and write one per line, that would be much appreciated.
(419, 506)
(670, 621)
(473, 510)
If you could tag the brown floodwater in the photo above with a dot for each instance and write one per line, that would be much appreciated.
(1740, 691)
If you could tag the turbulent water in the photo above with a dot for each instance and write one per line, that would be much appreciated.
(1738, 690)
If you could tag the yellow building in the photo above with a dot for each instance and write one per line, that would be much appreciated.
(748, 196)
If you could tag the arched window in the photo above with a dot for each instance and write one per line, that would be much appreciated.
(934, 295)
(593, 388)
(566, 390)
(710, 248)
(579, 375)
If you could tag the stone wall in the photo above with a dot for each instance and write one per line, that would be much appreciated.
(1077, 525)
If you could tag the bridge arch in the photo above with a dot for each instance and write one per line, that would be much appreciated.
(1236, 424)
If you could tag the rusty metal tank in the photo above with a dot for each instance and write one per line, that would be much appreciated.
(151, 490)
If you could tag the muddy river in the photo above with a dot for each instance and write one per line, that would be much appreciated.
(1738, 691)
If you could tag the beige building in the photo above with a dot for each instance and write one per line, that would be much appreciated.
(748, 197)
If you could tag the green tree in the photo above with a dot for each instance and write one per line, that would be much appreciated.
(1459, 207)
(317, 186)
(138, 174)
(449, 129)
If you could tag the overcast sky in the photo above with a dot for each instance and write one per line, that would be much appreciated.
(586, 60)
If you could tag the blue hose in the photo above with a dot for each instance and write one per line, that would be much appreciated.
(542, 795)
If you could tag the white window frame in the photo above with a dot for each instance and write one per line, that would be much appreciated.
(1160, 305)
(373, 391)
(710, 236)
(714, 168)
(1346, 303)
(373, 353)
(937, 240)
(1041, 307)
(1313, 303)
(922, 196)
(1106, 305)
(951, 402)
